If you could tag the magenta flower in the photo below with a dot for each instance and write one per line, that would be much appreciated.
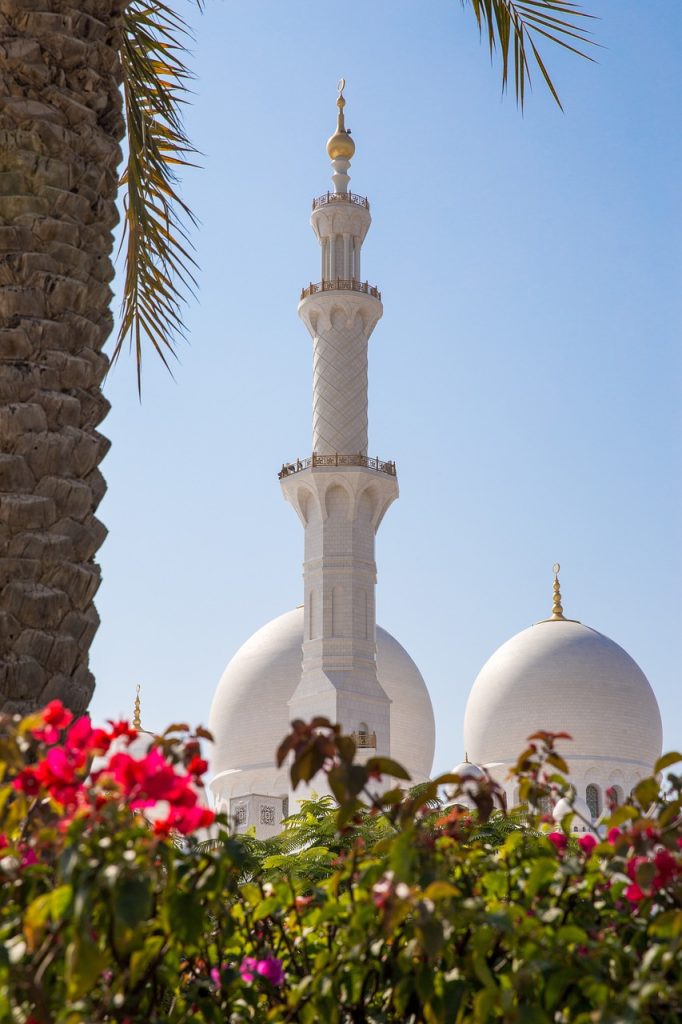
(559, 840)
(587, 843)
(247, 969)
(269, 968)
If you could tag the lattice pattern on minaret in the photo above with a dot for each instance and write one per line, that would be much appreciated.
(340, 390)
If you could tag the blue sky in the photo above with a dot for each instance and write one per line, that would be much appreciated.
(525, 376)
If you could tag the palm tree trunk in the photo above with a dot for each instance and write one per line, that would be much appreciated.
(60, 125)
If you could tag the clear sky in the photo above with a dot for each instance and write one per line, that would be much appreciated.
(525, 376)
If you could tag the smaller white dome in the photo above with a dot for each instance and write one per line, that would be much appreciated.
(467, 770)
(579, 813)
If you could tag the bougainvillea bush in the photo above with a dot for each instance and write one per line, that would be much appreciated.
(117, 905)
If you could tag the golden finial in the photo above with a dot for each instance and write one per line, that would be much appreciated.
(340, 146)
(557, 610)
(137, 721)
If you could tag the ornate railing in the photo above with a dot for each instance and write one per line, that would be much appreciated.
(334, 460)
(340, 284)
(341, 197)
(365, 740)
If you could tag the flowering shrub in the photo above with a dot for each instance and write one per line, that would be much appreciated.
(384, 908)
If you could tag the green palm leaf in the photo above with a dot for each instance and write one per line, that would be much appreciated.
(159, 265)
(159, 261)
(512, 27)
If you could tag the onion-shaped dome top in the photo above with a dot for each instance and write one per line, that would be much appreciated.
(250, 714)
(467, 770)
(563, 676)
(340, 146)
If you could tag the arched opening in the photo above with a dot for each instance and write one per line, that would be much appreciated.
(593, 800)
(618, 795)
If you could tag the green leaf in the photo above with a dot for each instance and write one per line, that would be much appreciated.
(50, 906)
(542, 872)
(158, 264)
(646, 792)
(664, 762)
(509, 26)
(440, 891)
(267, 907)
(387, 766)
(141, 959)
(84, 963)
(132, 901)
(186, 917)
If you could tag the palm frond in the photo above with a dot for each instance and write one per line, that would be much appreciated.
(513, 28)
(158, 251)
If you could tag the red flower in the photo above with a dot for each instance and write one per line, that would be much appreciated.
(197, 766)
(185, 820)
(587, 843)
(57, 715)
(559, 839)
(633, 864)
(667, 868)
(121, 728)
(27, 782)
(82, 737)
(614, 835)
(633, 893)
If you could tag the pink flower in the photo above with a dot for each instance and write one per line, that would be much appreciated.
(633, 893)
(614, 835)
(82, 737)
(269, 968)
(587, 843)
(28, 857)
(382, 892)
(559, 839)
(247, 969)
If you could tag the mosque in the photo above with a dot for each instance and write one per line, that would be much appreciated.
(328, 657)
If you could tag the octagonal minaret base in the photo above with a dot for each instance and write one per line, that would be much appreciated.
(341, 510)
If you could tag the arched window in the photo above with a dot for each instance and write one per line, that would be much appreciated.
(593, 798)
(618, 795)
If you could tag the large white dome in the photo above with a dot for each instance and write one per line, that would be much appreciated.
(250, 714)
(563, 676)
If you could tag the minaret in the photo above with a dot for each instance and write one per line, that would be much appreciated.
(340, 493)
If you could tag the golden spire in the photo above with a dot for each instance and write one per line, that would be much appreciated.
(137, 721)
(557, 610)
(340, 146)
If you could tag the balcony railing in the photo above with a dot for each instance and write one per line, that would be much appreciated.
(334, 460)
(341, 197)
(365, 740)
(340, 284)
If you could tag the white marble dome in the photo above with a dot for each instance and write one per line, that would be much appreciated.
(250, 714)
(564, 676)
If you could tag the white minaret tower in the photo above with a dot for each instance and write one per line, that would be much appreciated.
(341, 494)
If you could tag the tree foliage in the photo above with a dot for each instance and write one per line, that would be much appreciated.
(383, 907)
